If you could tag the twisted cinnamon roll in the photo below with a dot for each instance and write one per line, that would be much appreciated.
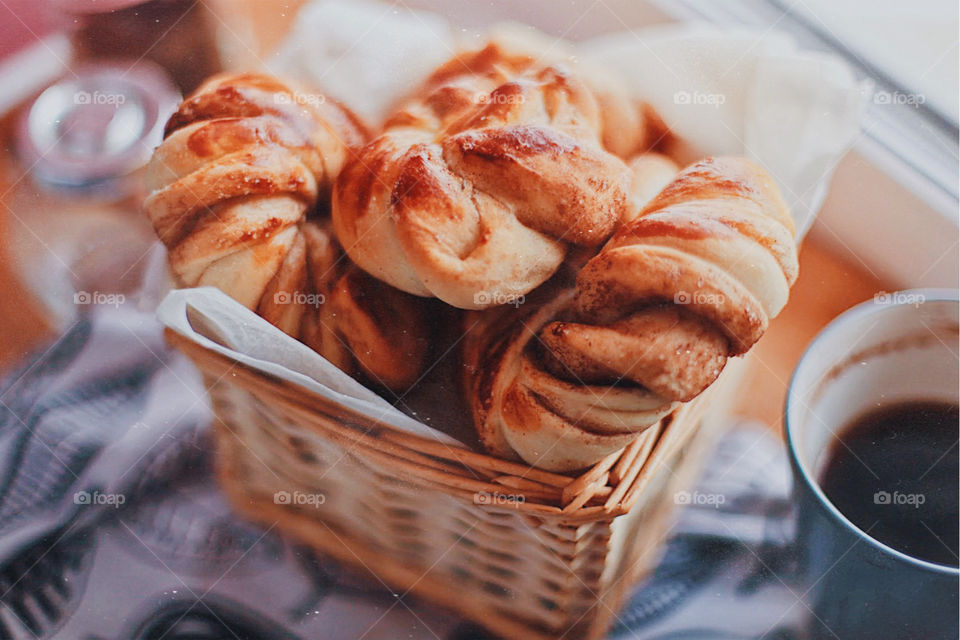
(475, 191)
(688, 283)
(235, 186)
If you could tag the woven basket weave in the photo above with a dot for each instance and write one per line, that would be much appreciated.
(524, 552)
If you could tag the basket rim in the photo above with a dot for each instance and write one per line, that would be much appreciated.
(608, 489)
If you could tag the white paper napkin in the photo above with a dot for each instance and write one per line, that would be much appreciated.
(365, 54)
(216, 321)
(738, 92)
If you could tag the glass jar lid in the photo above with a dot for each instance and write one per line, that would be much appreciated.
(97, 125)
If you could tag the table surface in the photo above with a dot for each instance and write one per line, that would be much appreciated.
(828, 284)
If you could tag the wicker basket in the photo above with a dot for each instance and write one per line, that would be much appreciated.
(523, 552)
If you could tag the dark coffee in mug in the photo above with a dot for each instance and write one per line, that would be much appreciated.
(893, 472)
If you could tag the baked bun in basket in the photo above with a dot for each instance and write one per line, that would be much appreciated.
(238, 190)
(478, 187)
(692, 280)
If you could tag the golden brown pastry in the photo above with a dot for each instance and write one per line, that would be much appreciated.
(357, 322)
(629, 127)
(649, 173)
(235, 187)
(691, 281)
(476, 190)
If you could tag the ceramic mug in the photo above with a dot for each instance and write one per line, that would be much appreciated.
(899, 346)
